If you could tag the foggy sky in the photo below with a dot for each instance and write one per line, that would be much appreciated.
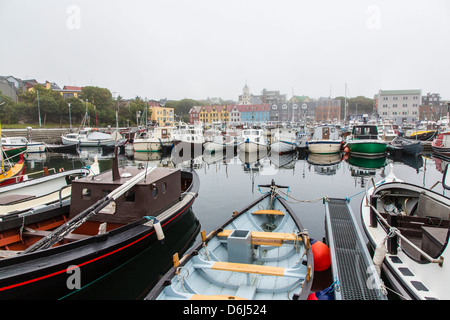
(179, 49)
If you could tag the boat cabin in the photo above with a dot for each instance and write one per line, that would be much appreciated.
(365, 132)
(325, 133)
(154, 194)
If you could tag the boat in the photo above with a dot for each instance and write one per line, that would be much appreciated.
(407, 226)
(441, 144)
(325, 140)
(34, 195)
(218, 143)
(426, 131)
(188, 134)
(253, 140)
(284, 140)
(62, 148)
(12, 173)
(406, 146)
(262, 252)
(387, 132)
(153, 141)
(88, 138)
(113, 218)
(364, 141)
(17, 142)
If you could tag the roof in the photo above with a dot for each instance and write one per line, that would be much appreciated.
(72, 88)
(399, 92)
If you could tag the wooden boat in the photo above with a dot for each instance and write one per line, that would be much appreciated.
(262, 252)
(407, 146)
(441, 144)
(408, 227)
(113, 218)
(34, 195)
(12, 174)
(88, 138)
(325, 140)
(62, 148)
(364, 141)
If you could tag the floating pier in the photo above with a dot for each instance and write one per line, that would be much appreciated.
(352, 264)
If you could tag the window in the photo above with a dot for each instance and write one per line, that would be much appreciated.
(394, 106)
(86, 194)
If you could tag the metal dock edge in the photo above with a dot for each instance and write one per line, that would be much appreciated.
(352, 264)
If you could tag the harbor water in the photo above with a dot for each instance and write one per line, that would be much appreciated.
(229, 182)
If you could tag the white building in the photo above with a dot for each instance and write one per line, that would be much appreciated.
(399, 105)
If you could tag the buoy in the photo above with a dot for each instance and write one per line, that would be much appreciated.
(346, 149)
(378, 257)
(325, 294)
(321, 254)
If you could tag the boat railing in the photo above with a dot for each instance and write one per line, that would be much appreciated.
(393, 231)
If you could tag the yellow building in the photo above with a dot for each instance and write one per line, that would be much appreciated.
(162, 116)
(210, 114)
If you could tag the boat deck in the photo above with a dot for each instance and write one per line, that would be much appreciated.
(351, 262)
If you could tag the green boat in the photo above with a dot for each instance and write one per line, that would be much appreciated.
(365, 142)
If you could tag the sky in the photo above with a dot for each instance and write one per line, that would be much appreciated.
(196, 49)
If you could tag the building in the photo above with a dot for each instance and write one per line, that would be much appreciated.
(162, 116)
(251, 114)
(245, 97)
(432, 107)
(272, 97)
(399, 105)
(194, 115)
(70, 92)
(210, 114)
(328, 110)
(10, 86)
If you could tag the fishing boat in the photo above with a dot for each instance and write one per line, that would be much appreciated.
(441, 144)
(262, 252)
(325, 140)
(113, 218)
(253, 140)
(387, 132)
(284, 140)
(17, 142)
(364, 141)
(406, 146)
(34, 195)
(153, 141)
(88, 138)
(407, 226)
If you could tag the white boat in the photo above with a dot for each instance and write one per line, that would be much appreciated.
(31, 196)
(153, 141)
(89, 138)
(325, 140)
(219, 143)
(17, 142)
(188, 134)
(253, 140)
(387, 132)
(283, 140)
(408, 227)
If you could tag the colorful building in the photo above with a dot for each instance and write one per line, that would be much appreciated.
(162, 116)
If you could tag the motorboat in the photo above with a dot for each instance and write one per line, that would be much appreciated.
(153, 141)
(253, 140)
(364, 141)
(17, 142)
(407, 227)
(283, 140)
(88, 137)
(325, 140)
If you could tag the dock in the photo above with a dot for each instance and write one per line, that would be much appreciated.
(352, 264)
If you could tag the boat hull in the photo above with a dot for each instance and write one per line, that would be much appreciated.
(370, 148)
(252, 147)
(324, 146)
(282, 147)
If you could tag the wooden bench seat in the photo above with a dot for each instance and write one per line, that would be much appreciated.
(266, 238)
(274, 212)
